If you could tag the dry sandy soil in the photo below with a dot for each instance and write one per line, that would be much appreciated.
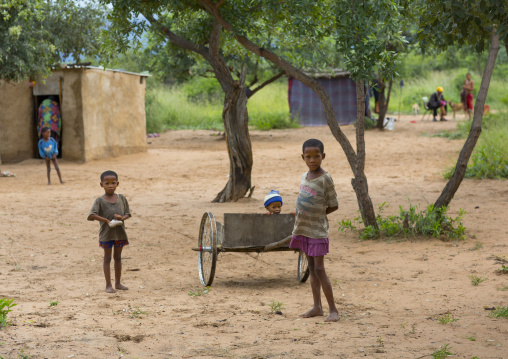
(390, 295)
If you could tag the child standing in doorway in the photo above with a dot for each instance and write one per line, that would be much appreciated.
(317, 198)
(111, 210)
(48, 149)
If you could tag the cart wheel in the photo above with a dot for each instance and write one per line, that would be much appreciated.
(207, 256)
(303, 268)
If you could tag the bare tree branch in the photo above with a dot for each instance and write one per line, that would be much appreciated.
(178, 40)
(267, 82)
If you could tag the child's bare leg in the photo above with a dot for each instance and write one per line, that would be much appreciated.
(55, 163)
(107, 269)
(317, 309)
(48, 168)
(319, 269)
(118, 268)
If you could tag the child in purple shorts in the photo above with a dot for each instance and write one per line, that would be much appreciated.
(316, 199)
(111, 210)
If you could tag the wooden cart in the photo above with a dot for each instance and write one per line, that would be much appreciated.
(244, 233)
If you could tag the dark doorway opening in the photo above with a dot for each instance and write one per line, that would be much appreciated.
(36, 135)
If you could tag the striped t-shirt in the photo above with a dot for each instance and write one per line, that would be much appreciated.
(315, 197)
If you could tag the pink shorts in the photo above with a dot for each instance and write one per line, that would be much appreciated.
(313, 247)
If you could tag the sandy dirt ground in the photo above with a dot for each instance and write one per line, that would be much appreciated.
(390, 294)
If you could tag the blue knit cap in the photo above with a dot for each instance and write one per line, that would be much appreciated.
(273, 196)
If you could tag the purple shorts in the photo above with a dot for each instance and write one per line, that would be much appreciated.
(112, 244)
(313, 247)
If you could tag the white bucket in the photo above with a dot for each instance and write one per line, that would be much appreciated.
(389, 123)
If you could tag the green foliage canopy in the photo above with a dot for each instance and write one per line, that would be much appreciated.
(467, 22)
(35, 34)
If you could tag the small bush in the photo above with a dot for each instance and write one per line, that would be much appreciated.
(276, 307)
(203, 90)
(447, 318)
(431, 222)
(503, 269)
(462, 131)
(274, 121)
(501, 312)
(5, 308)
(442, 352)
(476, 280)
(197, 292)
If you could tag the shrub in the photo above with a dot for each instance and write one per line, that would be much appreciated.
(431, 222)
(5, 308)
(273, 121)
(501, 312)
(203, 90)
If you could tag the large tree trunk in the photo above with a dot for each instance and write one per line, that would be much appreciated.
(383, 102)
(235, 118)
(476, 128)
(360, 180)
(234, 113)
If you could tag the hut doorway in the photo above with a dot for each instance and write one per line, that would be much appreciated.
(52, 109)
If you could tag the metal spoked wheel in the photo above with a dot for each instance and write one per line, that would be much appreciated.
(207, 255)
(303, 268)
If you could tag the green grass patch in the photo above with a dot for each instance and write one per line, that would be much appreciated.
(198, 104)
(430, 222)
(269, 108)
(442, 352)
(476, 280)
(170, 108)
(447, 318)
(503, 269)
(463, 128)
(501, 312)
(490, 157)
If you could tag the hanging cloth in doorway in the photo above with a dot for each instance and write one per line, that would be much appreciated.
(49, 116)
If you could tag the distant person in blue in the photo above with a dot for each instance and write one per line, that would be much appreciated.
(48, 149)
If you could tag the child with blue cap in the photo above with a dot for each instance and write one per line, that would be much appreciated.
(273, 202)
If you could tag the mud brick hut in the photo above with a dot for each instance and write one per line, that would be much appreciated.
(306, 106)
(103, 114)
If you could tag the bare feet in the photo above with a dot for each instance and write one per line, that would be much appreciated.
(333, 317)
(109, 289)
(62, 182)
(314, 312)
(121, 287)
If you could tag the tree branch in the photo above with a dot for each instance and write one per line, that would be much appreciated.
(177, 40)
(222, 72)
(297, 74)
(267, 82)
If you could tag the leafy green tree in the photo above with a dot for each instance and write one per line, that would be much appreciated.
(35, 34)
(467, 22)
(187, 26)
(24, 43)
(357, 38)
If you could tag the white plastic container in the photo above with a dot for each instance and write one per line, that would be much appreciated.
(389, 123)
